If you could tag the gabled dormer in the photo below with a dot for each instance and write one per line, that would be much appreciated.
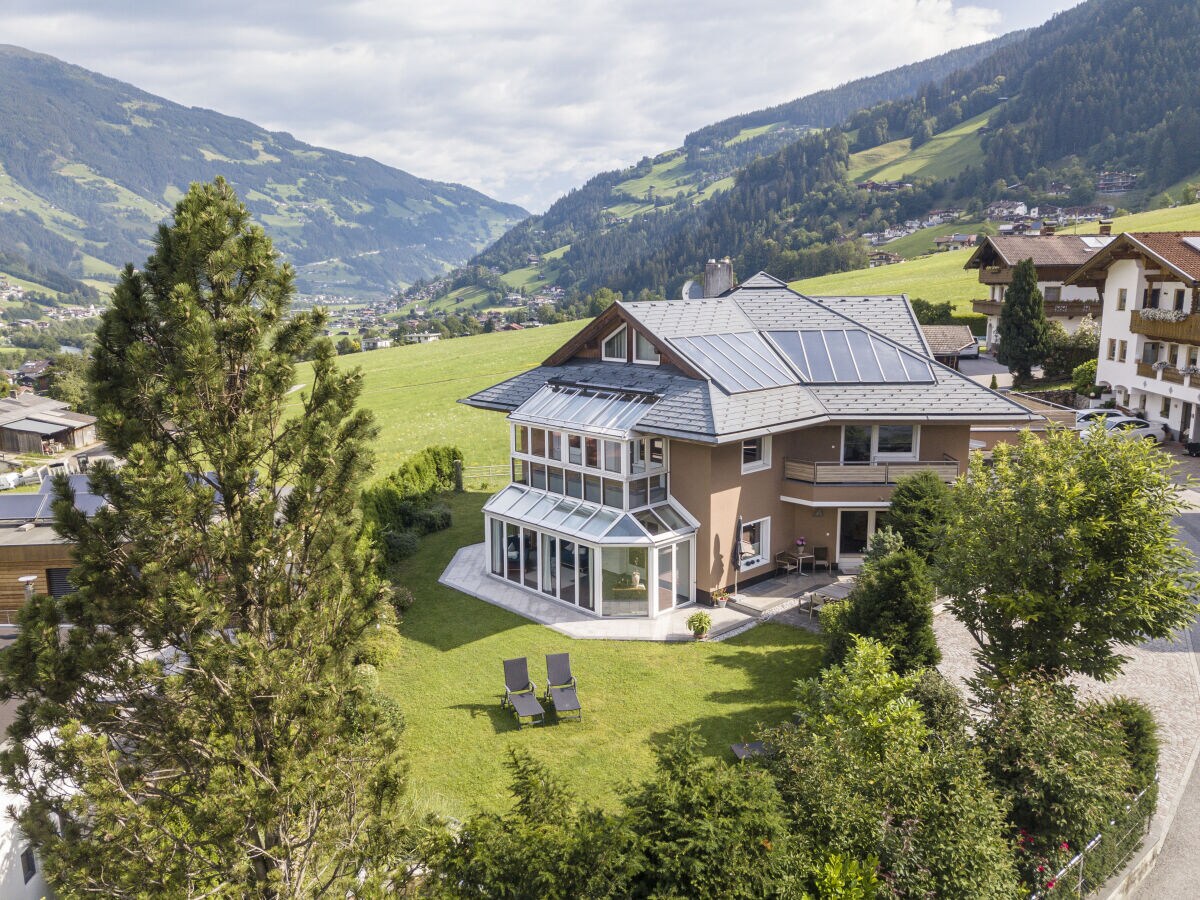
(614, 336)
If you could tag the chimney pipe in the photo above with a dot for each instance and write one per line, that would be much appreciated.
(718, 277)
(1106, 226)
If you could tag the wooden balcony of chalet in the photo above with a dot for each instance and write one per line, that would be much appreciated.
(814, 472)
(1184, 331)
(1054, 308)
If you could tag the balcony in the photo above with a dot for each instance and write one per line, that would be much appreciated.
(812, 472)
(1146, 370)
(1185, 331)
(1062, 309)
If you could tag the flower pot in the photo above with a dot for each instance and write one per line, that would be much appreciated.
(700, 635)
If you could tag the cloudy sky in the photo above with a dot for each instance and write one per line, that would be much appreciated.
(522, 100)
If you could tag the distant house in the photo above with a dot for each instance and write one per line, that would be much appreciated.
(376, 343)
(883, 258)
(33, 424)
(35, 374)
(882, 187)
(950, 343)
(953, 241)
(1115, 182)
(1007, 209)
(422, 337)
(1087, 213)
(1055, 257)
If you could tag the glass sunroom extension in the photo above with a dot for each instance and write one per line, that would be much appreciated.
(601, 560)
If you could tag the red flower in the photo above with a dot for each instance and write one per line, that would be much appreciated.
(1064, 846)
(1050, 883)
(1041, 868)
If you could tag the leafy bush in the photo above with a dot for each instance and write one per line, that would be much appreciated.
(893, 604)
(920, 512)
(432, 518)
(1141, 736)
(402, 600)
(1083, 377)
(1069, 351)
(399, 545)
(699, 623)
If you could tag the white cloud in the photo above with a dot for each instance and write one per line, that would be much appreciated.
(521, 100)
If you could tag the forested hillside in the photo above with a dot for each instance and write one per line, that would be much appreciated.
(1107, 85)
(88, 165)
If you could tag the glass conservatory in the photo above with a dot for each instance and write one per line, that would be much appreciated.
(606, 561)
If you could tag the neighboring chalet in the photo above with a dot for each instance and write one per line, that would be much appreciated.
(376, 343)
(1055, 256)
(953, 241)
(950, 343)
(33, 424)
(1150, 333)
(883, 258)
(671, 443)
(29, 544)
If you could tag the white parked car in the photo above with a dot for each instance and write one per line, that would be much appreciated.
(1131, 427)
(1086, 417)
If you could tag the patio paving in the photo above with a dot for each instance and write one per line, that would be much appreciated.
(467, 573)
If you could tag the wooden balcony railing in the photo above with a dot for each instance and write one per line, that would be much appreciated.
(1172, 375)
(1146, 370)
(865, 473)
(1186, 331)
(1068, 308)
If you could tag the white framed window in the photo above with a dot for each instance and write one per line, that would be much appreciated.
(756, 455)
(616, 346)
(644, 352)
(755, 545)
(868, 443)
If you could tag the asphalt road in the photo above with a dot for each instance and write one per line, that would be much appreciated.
(1176, 874)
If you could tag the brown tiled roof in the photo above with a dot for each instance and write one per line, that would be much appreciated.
(948, 340)
(1173, 248)
(1043, 249)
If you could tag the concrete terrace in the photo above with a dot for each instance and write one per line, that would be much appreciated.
(466, 573)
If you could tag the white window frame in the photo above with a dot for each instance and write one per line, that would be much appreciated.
(604, 343)
(876, 456)
(763, 463)
(765, 541)
(638, 340)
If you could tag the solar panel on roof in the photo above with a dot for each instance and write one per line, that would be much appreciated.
(849, 356)
(737, 362)
(1192, 242)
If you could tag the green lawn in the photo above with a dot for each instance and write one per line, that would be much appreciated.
(942, 156)
(934, 278)
(412, 391)
(920, 243)
(447, 676)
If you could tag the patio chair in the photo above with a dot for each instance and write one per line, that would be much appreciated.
(785, 563)
(749, 750)
(560, 687)
(520, 693)
(821, 558)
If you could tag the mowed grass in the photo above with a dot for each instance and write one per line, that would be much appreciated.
(920, 243)
(942, 156)
(447, 676)
(934, 278)
(413, 389)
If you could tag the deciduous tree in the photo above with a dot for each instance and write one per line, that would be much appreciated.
(191, 720)
(1063, 551)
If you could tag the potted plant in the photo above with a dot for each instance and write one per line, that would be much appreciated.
(699, 623)
(719, 598)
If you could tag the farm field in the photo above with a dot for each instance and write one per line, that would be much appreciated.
(942, 156)
(935, 278)
(447, 676)
(412, 390)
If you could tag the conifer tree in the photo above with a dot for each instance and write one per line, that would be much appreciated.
(1024, 333)
(191, 718)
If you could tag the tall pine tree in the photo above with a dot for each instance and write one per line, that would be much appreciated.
(191, 721)
(1024, 333)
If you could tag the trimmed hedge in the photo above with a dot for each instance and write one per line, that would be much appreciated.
(403, 507)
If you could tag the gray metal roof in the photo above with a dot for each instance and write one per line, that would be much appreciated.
(709, 410)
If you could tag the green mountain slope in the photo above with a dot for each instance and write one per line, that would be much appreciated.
(88, 165)
(1056, 104)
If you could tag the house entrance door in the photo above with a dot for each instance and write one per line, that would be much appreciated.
(855, 528)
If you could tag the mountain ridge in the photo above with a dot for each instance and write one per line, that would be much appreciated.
(89, 164)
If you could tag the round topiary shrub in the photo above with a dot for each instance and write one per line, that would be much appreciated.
(398, 545)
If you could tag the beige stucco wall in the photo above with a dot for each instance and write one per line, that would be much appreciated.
(708, 481)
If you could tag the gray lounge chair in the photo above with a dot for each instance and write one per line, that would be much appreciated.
(520, 693)
(561, 687)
